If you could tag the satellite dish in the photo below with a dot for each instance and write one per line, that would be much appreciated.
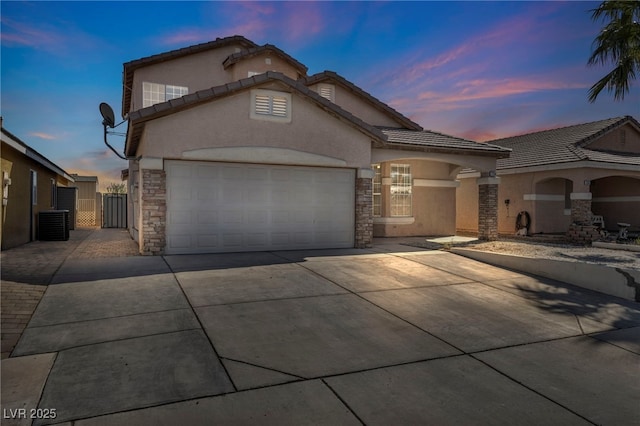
(109, 120)
(107, 115)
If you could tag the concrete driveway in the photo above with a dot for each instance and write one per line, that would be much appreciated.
(393, 335)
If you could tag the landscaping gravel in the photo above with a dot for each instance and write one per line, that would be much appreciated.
(566, 252)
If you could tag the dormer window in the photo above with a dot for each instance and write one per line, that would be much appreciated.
(271, 105)
(327, 91)
(153, 93)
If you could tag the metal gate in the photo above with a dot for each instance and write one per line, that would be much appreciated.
(114, 211)
(67, 199)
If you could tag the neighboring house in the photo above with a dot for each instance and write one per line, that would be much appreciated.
(232, 147)
(89, 200)
(29, 185)
(564, 176)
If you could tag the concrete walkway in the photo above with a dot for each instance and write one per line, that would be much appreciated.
(392, 335)
(28, 269)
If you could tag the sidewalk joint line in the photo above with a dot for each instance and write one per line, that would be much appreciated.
(343, 402)
(264, 368)
(533, 390)
(204, 330)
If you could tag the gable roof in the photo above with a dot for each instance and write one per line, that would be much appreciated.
(267, 48)
(376, 103)
(564, 145)
(137, 119)
(131, 66)
(15, 143)
(439, 142)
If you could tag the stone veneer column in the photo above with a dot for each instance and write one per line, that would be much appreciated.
(364, 209)
(581, 229)
(488, 208)
(581, 208)
(153, 210)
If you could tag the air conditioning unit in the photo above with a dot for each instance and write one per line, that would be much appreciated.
(53, 225)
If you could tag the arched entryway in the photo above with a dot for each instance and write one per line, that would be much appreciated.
(617, 200)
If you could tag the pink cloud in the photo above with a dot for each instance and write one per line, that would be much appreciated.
(54, 38)
(496, 88)
(293, 22)
(43, 135)
(15, 33)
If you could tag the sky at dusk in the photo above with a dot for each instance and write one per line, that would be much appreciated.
(477, 70)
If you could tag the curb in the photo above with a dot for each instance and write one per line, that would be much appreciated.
(619, 282)
(614, 246)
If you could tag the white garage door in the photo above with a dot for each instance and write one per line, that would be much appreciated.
(227, 207)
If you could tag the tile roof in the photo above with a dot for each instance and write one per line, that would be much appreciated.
(267, 48)
(131, 66)
(376, 103)
(564, 145)
(139, 117)
(441, 142)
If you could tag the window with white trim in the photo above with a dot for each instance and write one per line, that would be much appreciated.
(400, 190)
(271, 105)
(327, 91)
(377, 190)
(154, 93)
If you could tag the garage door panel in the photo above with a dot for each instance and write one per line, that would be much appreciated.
(230, 217)
(217, 207)
(207, 173)
(208, 241)
(180, 218)
(207, 217)
(258, 217)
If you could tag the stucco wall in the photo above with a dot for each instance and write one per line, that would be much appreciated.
(361, 109)
(259, 64)
(617, 199)
(226, 123)
(197, 71)
(467, 206)
(433, 207)
(550, 215)
(624, 139)
(15, 215)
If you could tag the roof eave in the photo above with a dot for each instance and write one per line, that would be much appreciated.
(442, 150)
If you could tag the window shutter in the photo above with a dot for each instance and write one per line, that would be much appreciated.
(279, 106)
(326, 91)
(262, 104)
(270, 105)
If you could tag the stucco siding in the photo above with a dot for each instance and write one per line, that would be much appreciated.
(617, 199)
(543, 195)
(624, 139)
(197, 71)
(467, 206)
(258, 64)
(226, 123)
(361, 109)
(18, 213)
(433, 201)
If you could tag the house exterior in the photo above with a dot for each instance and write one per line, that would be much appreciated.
(233, 147)
(30, 184)
(563, 178)
(89, 200)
